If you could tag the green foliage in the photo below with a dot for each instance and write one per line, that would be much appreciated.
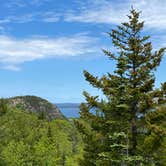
(16, 153)
(126, 128)
(27, 140)
(3, 106)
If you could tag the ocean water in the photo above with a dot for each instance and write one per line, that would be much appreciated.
(69, 110)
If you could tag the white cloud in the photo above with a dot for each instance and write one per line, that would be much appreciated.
(95, 11)
(22, 19)
(38, 2)
(30, 17)
(14, 3)
(50, 17)
(11, 67)
(24, 3)
(106, 12)
(2, 29)
(5, 20)
(114, 12)
(16, 51)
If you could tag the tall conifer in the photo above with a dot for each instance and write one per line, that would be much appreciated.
(114, 134)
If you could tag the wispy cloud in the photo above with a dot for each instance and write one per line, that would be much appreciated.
(32, 17)
(22, 19)
(2, 29)
(14, 3)
(50, 16)
(114, 12)
(24, 3)
(17, 51)
(98, 12)
(10, 67)
(39, 2)
(94, 11)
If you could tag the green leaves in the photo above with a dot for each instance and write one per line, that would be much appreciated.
(17, 153)
(26, 140)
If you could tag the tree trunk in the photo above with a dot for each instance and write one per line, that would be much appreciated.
(134, 137)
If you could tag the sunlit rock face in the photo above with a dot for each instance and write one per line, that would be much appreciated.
(36, 105)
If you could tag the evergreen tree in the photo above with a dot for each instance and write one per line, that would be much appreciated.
(130, 98)
(3, 106)
(42, 115)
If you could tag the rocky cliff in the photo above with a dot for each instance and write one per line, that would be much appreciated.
(36, 105)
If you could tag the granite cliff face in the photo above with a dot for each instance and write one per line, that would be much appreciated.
(36, 105)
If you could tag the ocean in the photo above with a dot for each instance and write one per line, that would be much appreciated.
(69, 110)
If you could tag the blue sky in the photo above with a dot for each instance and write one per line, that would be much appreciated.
(46, 44)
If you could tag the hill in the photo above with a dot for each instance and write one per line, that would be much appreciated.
(36, 105)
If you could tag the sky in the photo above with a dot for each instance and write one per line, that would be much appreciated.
(46, 44)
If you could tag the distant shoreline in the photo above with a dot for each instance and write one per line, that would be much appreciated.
(69, 110)
(67, 105)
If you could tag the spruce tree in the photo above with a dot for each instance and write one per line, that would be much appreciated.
(3, 106)
(115, 131)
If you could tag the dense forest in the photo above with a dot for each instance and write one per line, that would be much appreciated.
(127, 127)
(29, 139)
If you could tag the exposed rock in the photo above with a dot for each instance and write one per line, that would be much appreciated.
(36, 105)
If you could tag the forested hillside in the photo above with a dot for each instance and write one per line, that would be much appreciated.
(26, 139)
